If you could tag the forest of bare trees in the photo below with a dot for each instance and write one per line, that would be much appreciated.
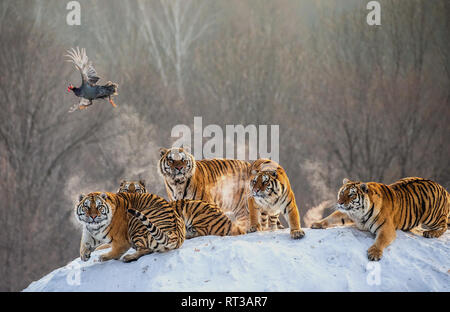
(352, 100)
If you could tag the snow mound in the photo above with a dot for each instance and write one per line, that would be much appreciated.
(324, 260)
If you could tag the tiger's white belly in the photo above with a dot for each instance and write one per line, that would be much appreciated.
(99, 232)
(268, 208)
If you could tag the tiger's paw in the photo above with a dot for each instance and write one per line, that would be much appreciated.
(85, 256)
(432, 234)
(104, 258)
(374, 253)
(254, 228)
(297, 234)
(129, 258)
(318, 225)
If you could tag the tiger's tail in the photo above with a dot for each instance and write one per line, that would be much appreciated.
(159, 236)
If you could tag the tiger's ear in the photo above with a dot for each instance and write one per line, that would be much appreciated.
(80, 197)
(254, 172)
(345, 181)
(186, 149)
(162, 151)
(364, 188)
(142, 182)
(122, 182)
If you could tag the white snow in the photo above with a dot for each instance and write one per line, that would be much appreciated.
(324, 260)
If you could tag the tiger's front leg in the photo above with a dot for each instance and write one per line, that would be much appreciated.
(385, 236)
(334, 219)
(254, 215)
(294, 221)
(87, 245)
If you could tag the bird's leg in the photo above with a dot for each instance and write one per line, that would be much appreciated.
(112, 102)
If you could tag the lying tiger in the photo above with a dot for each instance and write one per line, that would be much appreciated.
(383, 209)
(145, 222)
(270, 195)
(200, 218)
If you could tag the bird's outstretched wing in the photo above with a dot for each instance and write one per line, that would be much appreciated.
(81, 61)
(81, 105)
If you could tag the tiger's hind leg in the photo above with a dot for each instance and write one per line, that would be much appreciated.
(263, 220)
(139, 243)
(279, 224)
(118, 248)
(437, 230)
(273, 222)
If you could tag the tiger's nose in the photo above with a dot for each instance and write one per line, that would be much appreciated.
(93, 217)
(179, 168)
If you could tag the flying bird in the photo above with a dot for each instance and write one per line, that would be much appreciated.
(89, 90)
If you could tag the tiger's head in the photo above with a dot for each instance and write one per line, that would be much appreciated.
(266, 186)
(353, 197)
(132, 187)
(176, 164)
(94, 210)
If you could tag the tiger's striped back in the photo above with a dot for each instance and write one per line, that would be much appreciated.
(156, 225)
(419, 201)
(202, 218)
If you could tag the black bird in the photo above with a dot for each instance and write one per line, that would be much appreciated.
(89, 91)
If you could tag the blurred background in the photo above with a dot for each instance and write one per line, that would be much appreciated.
(365, 102)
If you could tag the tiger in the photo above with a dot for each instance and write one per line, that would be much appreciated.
(145, 222)
(128, 187)
(200, 218)
(132, 187)
(382, 209)
(223, 182)
(271, 193)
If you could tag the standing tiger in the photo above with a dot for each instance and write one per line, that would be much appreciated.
(200, 218)
(270, 195)
(383, 209)
(150, 225)
(220, 181)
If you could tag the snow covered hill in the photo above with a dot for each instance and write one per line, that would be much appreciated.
(324, 260)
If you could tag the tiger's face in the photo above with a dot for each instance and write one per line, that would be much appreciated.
(132, 187)
(176, 164)
(353, 197)
(265, 187)
(93, 210)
